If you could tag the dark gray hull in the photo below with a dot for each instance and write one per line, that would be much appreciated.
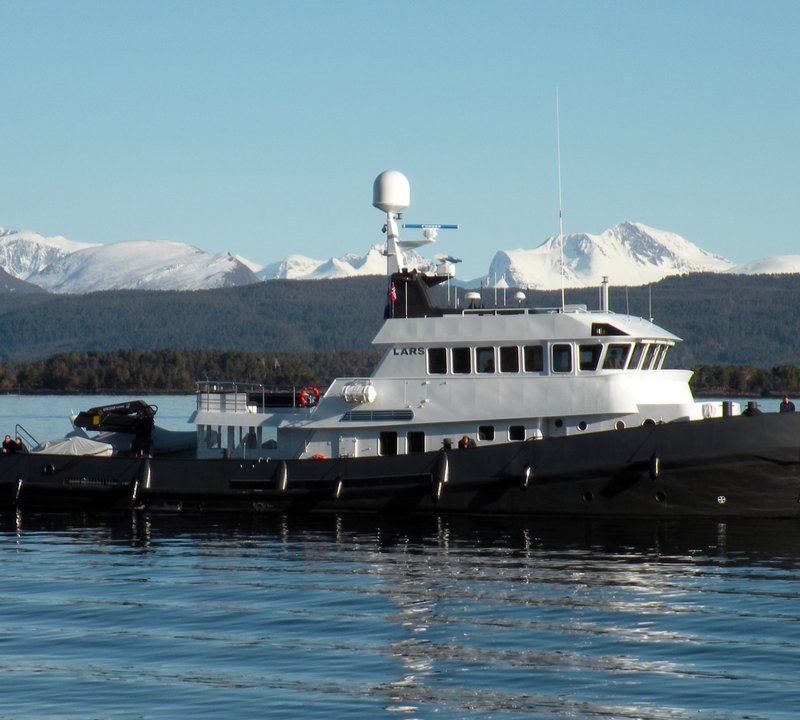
(726, 467)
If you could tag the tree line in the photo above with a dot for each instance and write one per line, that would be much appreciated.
(746, 380)
(178, 371)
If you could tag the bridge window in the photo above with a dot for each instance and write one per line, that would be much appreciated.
(484, 359)
(533, 357)
(589, 357)
(616, 357)
(656, 357)
(648, 356)
(562, 358)
(636, 356)
(462, 360)
(509, 359)
(437, 361)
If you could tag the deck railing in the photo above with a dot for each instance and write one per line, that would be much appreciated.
(216, 396)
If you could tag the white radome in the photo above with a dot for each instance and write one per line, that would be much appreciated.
(391, 191)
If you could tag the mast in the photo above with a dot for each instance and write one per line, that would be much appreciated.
(560, 213)
(391, 194)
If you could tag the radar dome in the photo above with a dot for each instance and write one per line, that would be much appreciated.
(391, 191)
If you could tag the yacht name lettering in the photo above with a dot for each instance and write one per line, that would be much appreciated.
(409, 351)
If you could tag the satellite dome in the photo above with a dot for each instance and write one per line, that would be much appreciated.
(391, 191)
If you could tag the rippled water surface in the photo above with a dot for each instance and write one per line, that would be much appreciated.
(266, 616)
(317, 617)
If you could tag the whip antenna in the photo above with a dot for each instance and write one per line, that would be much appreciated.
(560, 213)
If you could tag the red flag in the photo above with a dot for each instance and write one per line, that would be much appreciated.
(392, 293)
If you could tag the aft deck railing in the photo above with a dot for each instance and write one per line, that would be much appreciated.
(216, 396)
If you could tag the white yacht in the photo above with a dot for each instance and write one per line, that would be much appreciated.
(492, 374)
(481, 408)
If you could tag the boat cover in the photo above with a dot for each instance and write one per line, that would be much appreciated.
(74, 445)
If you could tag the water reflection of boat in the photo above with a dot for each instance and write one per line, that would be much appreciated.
(733, 541)
(451, 616)
(560, 411)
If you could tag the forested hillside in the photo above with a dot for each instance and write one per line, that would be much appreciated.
(10, 284)
(280, 315)
(723, 319)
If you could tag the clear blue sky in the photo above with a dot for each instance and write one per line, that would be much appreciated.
(258, 127)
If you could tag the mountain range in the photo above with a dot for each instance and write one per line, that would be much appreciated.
(629, 254)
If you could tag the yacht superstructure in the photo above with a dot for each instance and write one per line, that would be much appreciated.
(493, 374)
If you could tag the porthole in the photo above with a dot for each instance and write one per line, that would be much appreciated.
(582, 425)
(620, 425)
(649, 422)
(559, 423)
(660, 497)
(588, 497)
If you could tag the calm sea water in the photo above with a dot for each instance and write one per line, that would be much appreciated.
(262, 616)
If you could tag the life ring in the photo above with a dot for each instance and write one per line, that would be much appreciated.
(309, 396)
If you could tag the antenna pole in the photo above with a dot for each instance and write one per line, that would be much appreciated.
(560, 213)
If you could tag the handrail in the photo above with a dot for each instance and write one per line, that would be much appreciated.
(511, 310)
(20, 431)
(210, 394)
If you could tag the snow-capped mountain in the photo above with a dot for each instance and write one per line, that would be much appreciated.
(142, 265)
(292, 267)
(65, 266)
(629, 254)
(778, 265)
(299, 267)
(23, 252)
(255, 267)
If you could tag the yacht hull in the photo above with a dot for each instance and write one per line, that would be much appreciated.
(725, 467)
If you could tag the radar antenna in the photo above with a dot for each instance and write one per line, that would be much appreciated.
(391, 193)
